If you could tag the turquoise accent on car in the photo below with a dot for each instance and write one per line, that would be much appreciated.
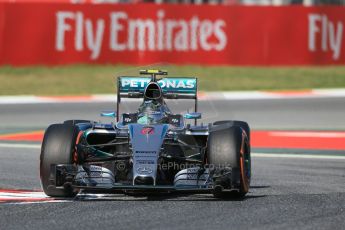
(143, 120)
(108, 114)
(192, 116)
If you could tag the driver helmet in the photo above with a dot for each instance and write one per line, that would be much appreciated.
(151, 112)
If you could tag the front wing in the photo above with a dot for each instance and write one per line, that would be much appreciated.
(97, 179)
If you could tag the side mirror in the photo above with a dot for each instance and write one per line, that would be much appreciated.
(192, 115)
(108, 114)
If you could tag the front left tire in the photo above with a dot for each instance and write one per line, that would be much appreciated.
(228, 152)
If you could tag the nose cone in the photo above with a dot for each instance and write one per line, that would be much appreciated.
(146, 144)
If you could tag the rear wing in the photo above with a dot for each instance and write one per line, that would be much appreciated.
(172, 87)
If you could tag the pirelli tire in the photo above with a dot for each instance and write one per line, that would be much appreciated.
(58, 147)
(228, 155)
(244, 125)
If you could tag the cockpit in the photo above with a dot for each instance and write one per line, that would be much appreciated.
(153, 110)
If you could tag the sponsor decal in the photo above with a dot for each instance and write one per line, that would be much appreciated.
(145, 162)
(193, 170)
(196, 177)
(164, 83)
(144, 170)
(128, 33)
(127, 119)
(197, 34)
(325, 35)
(145, 152)
(147, 131)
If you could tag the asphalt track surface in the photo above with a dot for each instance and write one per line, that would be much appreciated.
(298, 114)
(286, 193)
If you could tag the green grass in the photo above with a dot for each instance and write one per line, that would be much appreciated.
(100, 79)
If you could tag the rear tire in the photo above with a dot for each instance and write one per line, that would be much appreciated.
(229, 148)
(57, 148)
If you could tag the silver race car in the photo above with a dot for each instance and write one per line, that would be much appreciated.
(148, 151)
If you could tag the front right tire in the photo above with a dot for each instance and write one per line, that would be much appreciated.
(58, 147)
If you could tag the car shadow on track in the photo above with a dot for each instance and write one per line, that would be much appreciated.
(259, 186)
(166, 197)
(39, 196)
(230, 196)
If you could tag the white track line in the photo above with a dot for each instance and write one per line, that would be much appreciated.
(37, 202)
(300, 156)
(308, 134)
(20, 146)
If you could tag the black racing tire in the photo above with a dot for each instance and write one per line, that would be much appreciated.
(57, 148)
(228, 147)
(244, 125)
(75, 122)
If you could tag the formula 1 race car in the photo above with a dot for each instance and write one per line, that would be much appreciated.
(150, 150)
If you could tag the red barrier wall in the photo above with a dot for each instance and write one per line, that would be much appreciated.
(62, 33)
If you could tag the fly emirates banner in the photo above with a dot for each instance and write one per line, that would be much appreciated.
(36, 33)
